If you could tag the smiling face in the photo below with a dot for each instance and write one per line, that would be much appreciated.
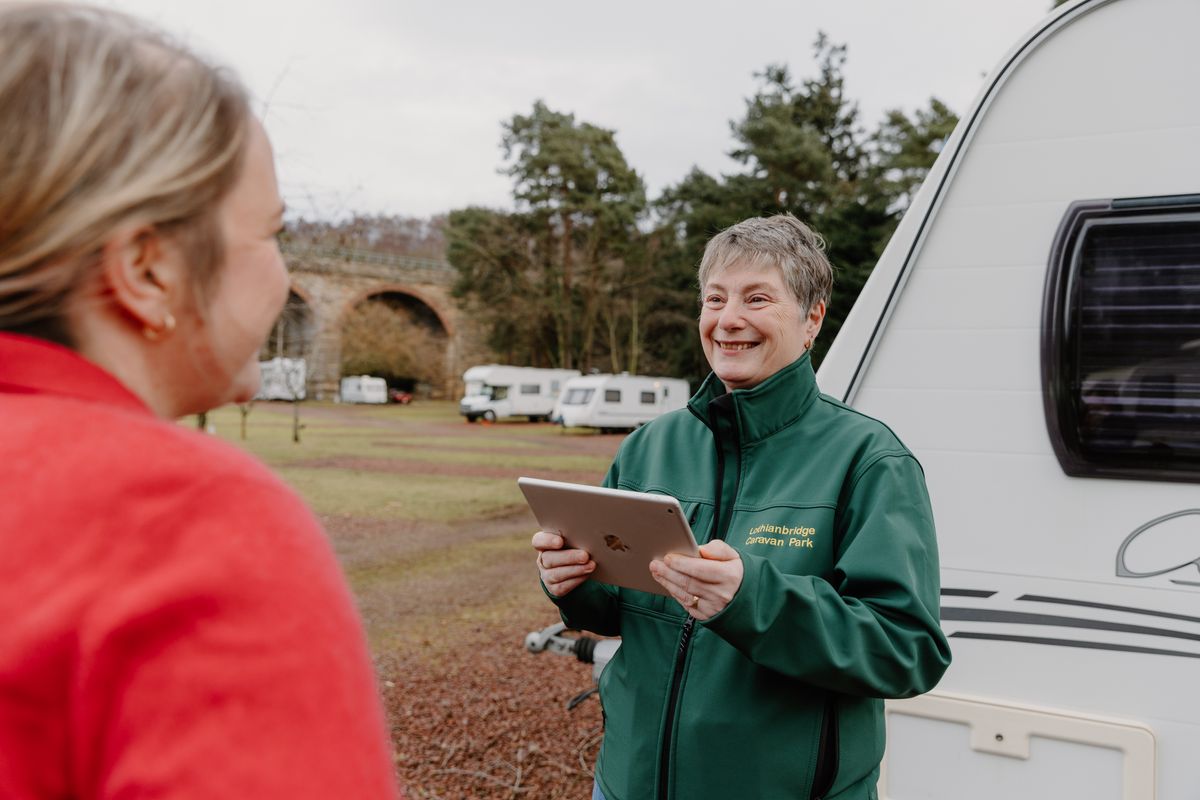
(751, 325)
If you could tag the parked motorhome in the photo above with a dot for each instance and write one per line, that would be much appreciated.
(495, 391)
(363, 389)
(1031, 333)
(282, 379)
(618, 401)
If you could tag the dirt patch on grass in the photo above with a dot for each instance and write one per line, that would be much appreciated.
(397, 466)
(413, 535)
(526, 448)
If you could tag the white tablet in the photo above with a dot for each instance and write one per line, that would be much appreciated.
(622, 531)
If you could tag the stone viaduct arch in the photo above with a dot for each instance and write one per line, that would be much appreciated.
(332, 281)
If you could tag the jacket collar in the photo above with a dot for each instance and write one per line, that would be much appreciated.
(766, 408)
(35, 366)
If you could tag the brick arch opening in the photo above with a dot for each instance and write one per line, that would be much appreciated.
(419, 298)
(397, 333)
(295, 330)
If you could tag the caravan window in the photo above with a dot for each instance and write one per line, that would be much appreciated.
(648, 398)
(578, 397)
(530, 388)
(495, 392)
(1121, 340)
(612, 395)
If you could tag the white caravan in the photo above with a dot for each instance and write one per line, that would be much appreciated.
(494, 391)
(363, 389)
(1032, 332)
(282, 379)
(618, 401)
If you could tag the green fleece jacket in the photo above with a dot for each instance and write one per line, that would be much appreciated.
(780, 694)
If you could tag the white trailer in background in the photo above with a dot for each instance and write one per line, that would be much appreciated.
(282, 379)
(363, 389)
(1031, 333)
(495, 391)
(618, 401)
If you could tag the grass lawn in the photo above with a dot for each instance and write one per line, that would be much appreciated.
(419, 462)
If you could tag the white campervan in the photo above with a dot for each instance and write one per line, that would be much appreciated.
(495, 391)
(618, 401)
(363, 389)
(1032, 332)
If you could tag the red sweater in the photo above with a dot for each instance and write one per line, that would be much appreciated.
(173, 623)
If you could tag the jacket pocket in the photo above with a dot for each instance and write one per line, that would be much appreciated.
(699, 517)
(827, 751)
(633, 691)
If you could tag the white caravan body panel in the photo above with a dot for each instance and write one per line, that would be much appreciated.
(619, 401)
(363, 389)
(282, 379)
(1069, 679)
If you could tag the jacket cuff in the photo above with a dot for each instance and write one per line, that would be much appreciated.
(738, 614)
(587, 607)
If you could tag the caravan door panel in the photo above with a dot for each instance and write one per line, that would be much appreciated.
(1015, 751)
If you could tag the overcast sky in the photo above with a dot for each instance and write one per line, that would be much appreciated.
(395, 107)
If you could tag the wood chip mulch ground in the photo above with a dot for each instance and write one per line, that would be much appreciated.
(484, 719)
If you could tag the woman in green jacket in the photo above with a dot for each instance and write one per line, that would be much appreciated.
(815, 595)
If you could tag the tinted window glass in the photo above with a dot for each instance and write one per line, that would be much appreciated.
(1126, 377)
(578, 397)
(648, 398)
(530, 388)
(612, 395)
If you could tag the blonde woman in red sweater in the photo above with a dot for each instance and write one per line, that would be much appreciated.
(175, 624)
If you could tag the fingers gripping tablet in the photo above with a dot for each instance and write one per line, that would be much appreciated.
(622, 531)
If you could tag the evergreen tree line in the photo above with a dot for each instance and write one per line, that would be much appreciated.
(588, 273)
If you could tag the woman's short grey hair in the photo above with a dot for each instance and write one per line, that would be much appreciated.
(782, 241)
(105, 123)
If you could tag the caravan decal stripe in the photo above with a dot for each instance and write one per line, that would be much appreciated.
(1020, 618)
(1037, 598)
(1120, 648)
(967, 593)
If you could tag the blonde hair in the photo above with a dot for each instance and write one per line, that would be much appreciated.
(781, 241)
(104, 123)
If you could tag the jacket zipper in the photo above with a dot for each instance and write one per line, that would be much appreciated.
(665, 755)
(685, 636)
